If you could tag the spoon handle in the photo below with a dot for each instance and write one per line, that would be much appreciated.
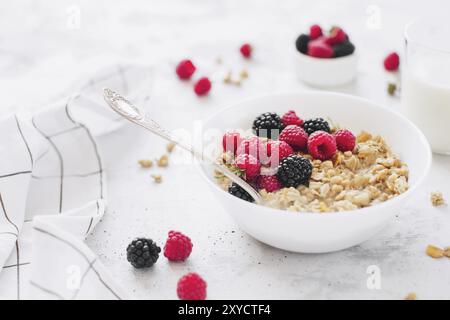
(132, 113)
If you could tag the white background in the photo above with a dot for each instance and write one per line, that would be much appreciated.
(46, 46)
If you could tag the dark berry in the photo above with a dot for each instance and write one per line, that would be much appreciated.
(317, 124)
(294, 171)
(268, 125)
(237, 191)
(343, 49)
(302, 43)
(142, 253)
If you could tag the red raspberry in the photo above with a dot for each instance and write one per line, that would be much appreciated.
(276, 151)
(320, 49)
(191, 287)
(185, 69)
(345, 140)
(202, 86)
(336, 36)
(231, 141)
(315, 31)
(249, 164)
(321, 145)
(178, 247)
(251, 146)
(294, 136)
(391, 62)
(246, 50)
(291, 118)
(270, 183)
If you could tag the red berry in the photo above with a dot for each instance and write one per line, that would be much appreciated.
(276, 151)
(321, 145)
(291, 117)
(249, 164)
(185, 69)
(345, 140)
(178, 247)
(294, 136)
(231, 141)
(320, 49)
(391, 62)
(202, 86)
(315, 31)
(336, 36)
(191, 287)
(270, 183)
(246, 50)
(251, 146)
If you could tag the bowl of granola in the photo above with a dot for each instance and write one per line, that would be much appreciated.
(332, 169)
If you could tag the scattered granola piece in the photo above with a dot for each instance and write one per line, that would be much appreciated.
(170, 146)
(228, 79)
(434, 252)
(243, 74)
(411, 296)
(447, 252)
(157, 178)
(391, 88)
(163, 161)
(146, 163)
(437, 199)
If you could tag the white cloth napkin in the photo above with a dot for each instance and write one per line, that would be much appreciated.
(53, 192)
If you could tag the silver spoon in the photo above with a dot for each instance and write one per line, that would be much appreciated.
(132, 113)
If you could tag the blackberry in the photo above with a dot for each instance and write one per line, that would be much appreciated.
(294, 171)
(302, 43)
(142, 253)
(316, 124)
(237, 191)
(268, 125)
(343, 49)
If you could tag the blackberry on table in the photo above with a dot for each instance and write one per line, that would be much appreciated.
(294, 171)
(343, 49)
(302, 43)
(316, 124)
(268, 125)
(142, 253)
(237, 191)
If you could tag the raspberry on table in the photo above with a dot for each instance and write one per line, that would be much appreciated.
(319, 48)
(345, 140)
(392, 62)
(142, 253)
(269, 183)
(267, 125)
(202, 86)
(249, 164)
(291, 117)
(237, 191)
(294, 136)
(178, 246)
(185, 69)
(231, 141)
(191, 287)
(315, 31)
(322, 145)
(316, 124)
(294, 171)
(276, 151)
(246, 50)
(302, 43)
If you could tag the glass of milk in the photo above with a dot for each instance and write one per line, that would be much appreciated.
(426, 81)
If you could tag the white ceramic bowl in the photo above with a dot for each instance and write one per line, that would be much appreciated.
(323, 73)
(316, 232)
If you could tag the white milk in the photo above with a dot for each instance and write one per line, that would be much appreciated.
(426, 101)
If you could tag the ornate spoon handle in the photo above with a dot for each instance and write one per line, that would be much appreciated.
(132, 113)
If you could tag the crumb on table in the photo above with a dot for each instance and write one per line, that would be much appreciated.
(157, 178)
(411, 296)
(146, 163)
(434, 252)
(437, 199)
(163, 161)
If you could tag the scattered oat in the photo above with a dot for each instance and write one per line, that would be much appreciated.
(243, 74)
(437, 199)
(146, 163)
(411, 296)
(227, 79)
(170, 146)
(434, 252)
(163, 161)
(447, 252)
(391, 88)
(157, 178)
